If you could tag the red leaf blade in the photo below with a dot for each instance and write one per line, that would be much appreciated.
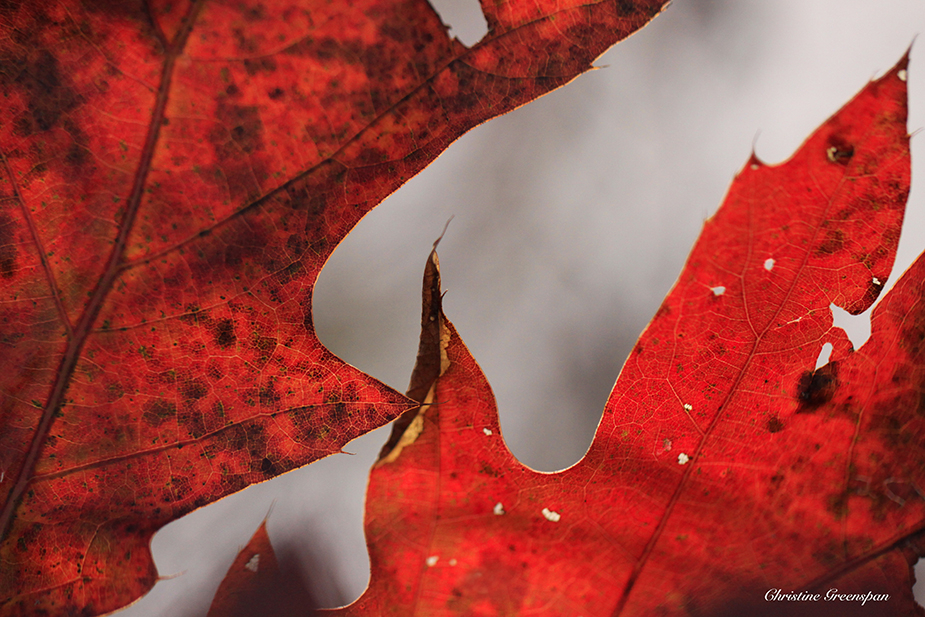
(174, 175)
(257, 584)
(724, 465)
(733, 373)
(253, 572)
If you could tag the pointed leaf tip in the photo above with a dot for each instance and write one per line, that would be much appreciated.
(430, 359)
(156, 308)
(257, 584)
(724, 463)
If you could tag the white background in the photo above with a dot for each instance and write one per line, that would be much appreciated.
(573, 217)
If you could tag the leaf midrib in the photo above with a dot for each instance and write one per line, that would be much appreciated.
(733, 390)
(80, 332)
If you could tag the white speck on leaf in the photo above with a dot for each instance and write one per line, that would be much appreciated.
(768, 264)
(877, 281)
(901, 74)
(499, 509)
(253, 563)
(688, 407)
(683, 459)
(754, 166)
(551, 516)
(718, 290)
(432, 561)
(487, 431)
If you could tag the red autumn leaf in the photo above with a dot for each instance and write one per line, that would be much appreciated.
(255, 585)
(254, 570)
(174, 176)
(725, 465)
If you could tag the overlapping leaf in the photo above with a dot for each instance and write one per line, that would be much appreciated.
(174, 175)
(725, 465)
(250, 579)
(255, 584)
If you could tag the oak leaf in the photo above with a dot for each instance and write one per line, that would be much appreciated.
(256, 584)
(173, 176)
(726, 467)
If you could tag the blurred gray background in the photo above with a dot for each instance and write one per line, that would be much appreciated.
(573, 217)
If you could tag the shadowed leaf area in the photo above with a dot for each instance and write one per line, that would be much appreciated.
(173, 176)
(258, 584)
(727, 473)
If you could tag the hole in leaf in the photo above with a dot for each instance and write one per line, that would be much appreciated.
(824, 355)
(857, 327)
(768, 264)
(840, 154)
(718, 290)
(465, 19)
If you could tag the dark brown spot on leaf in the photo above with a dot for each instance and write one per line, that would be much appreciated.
(338, 413)
(223, 331)
(268, 467)
(192, 420)
(834, 240)
(816, 388)
(838, 150)
(265, 64)
(268, 396)
(193, 389)
(8, 249)
(775, 425)
(626, 8)
(837, 505)
(50, 98)
(158, 411)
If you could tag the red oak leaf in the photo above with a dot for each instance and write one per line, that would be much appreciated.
(253, 572)
(173, 176)
(255, 585)
(726, 467)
